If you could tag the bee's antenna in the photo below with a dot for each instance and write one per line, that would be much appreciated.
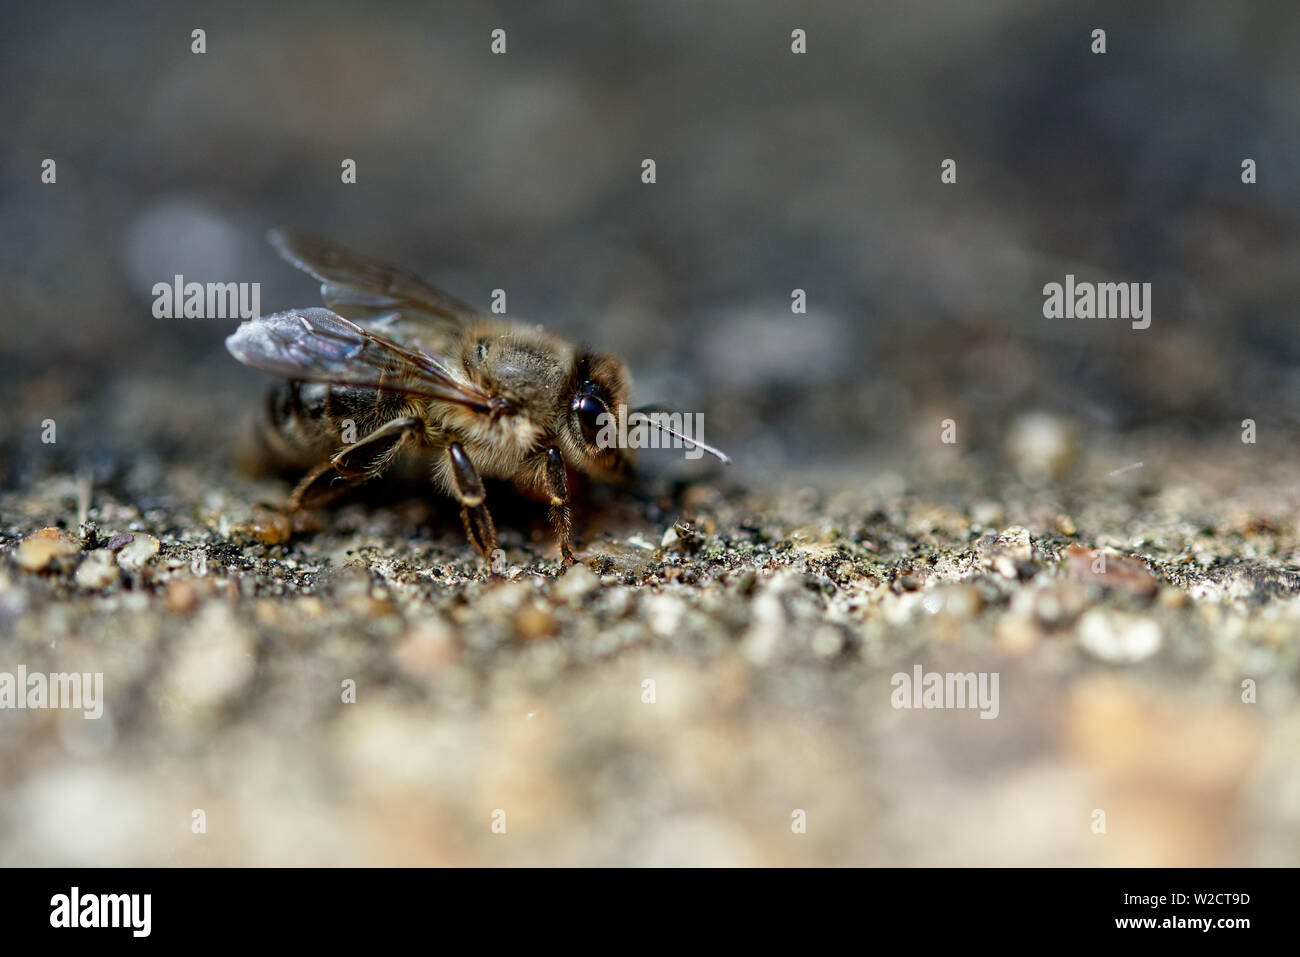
(647, 414)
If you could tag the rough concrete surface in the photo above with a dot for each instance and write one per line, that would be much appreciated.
(770, 624)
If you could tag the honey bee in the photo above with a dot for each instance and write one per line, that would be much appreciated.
(394, 365)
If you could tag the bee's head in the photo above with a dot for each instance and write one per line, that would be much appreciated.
(596, 417)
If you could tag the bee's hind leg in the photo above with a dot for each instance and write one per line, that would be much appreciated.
(350, 466)
(470, 493)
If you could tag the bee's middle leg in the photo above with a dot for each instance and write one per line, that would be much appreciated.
(557, 489)
(470, 493)
(350, 466)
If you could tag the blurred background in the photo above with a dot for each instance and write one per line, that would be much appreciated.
(846, 543)
(775, 171)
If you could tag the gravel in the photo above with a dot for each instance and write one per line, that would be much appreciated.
(722, 657)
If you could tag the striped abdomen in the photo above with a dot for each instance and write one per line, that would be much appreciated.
(306, 422)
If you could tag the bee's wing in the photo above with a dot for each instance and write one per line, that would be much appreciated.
(358, 287)
(317, 345)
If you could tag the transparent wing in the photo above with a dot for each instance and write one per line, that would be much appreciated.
(357, 286)
(317, 345)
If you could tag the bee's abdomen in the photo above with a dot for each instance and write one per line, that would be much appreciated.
(294, 430)
(306, 422)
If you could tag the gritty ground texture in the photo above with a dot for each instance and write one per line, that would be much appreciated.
(721, 661)
(929, 471)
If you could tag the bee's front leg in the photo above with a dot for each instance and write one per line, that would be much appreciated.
(470, 493)
(557, 488)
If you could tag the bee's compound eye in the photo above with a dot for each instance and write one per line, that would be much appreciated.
(589, 413)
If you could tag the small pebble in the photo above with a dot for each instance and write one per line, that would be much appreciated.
(1006, 553)
(1118, 638)
(1015, 542)
(957, 601)
(534, 620)
(632, 560)
(181, 597)
(1017, 634)
(426, 648)
(49, 546)
(664, 614)
(1052, 603)
(768, 625)
(98, 570)
(1112, 571)
(681, 537)
(142, 548)
(1174, 598)
(1041, 446)
(575, 584)
(827, 642)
